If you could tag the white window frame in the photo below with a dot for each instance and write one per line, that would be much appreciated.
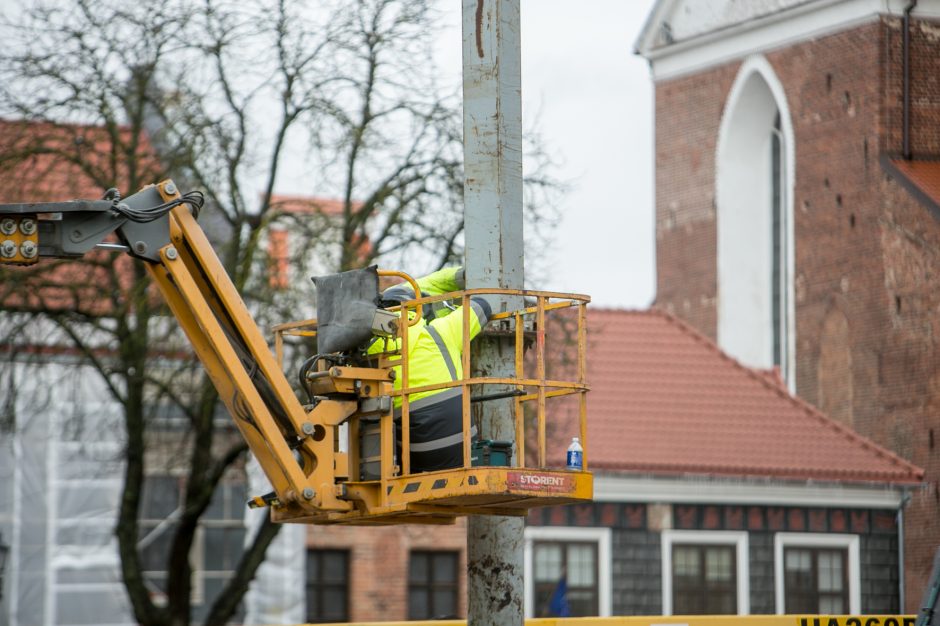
(738, 539)
(602, 536)
(819, 540)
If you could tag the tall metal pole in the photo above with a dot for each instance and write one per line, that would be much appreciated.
(494, 258)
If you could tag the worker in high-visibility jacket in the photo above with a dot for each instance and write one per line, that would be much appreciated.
(435, 346)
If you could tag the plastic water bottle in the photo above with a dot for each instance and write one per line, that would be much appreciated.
(575, 455)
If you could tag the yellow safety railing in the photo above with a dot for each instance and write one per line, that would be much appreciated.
(537, 388)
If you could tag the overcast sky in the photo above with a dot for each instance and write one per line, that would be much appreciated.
(594, 100)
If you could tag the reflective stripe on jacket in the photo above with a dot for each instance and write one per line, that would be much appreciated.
(434, 356)
(434, 349)
(440, 282)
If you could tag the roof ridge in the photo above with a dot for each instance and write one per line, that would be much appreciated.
(603, 308)
(26, 122)
(283, 197)
(794, 399)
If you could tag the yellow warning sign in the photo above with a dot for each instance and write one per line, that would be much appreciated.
(695, 620)
(729, 620)
(856, 620)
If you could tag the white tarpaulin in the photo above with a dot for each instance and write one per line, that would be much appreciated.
(61, 475)
(277, 595)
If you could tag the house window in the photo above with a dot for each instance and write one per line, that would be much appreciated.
(432, 585)
(817, 573)
(327, 586)
(580, 556)
(704, 580)
(566, 578)
(705, 572)
(815, 580)
(217, 546)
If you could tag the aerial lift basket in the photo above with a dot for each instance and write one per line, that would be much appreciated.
(492, 479)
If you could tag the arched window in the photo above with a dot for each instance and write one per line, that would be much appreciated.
(754, 185)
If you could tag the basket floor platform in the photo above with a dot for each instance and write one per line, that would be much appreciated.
(440, 497)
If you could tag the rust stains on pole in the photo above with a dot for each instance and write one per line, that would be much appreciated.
(494, 258)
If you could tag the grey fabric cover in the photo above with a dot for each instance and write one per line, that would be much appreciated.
(346, 304)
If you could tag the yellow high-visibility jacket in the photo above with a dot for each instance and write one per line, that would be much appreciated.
(434, 356)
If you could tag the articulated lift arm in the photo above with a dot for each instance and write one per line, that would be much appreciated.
(296, 445)
(157, 225)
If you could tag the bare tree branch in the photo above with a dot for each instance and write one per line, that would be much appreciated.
(220, 94)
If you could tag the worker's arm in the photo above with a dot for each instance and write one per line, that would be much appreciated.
(450, 326)
(434, 284)
(442, 281)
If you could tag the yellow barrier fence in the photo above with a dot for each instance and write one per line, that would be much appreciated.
(692, 620)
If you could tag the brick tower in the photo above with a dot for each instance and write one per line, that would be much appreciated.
(796, 218)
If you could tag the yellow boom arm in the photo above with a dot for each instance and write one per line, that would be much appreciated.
(296, 446)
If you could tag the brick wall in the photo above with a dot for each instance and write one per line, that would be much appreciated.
(834, 89)
(906, 414)
(868, 250)
(925, 87)
(688, 112)
(379, 563)
(867, 280)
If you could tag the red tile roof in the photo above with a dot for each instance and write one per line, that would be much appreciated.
(300, 207)
(46, 162)
(306, 205)
(666, 400)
